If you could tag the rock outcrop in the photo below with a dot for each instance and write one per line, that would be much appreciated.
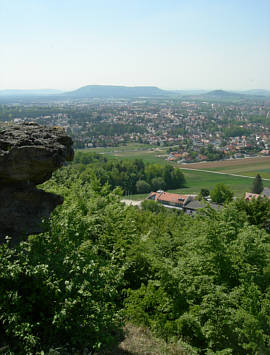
(29, 153)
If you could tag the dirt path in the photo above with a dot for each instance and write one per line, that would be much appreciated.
(131, 202)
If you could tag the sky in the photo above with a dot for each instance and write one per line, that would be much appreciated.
(172, 44)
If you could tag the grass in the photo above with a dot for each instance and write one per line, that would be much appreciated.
(247, 167)
(148, 153)
(140, 341)
(198, 179)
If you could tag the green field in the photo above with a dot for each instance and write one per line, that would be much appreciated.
(195, 179)
(134, 151)
(262, 168)
(246, 167)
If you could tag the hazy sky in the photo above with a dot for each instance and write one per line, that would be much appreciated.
(173, 44)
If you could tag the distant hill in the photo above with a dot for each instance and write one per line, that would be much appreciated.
(222, 94)
(114, 91)
(38, 92)
(260, 92)
(189, 92)
(233, 95)
(105, 91)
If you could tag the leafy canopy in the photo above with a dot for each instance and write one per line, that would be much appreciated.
(221, 194)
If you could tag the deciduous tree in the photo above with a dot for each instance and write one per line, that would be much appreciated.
(221, 194)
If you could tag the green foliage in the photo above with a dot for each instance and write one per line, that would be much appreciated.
(257, 210)
(88, 158)
(61, 288)
(142, 187)
(212, 153)
(257, 186)
(158, 183)
(132, 176)
(221, 194)
(236, 131)
(153, 206)
(210, 288)
(200, 280)
(204, 192)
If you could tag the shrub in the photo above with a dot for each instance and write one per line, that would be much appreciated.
(60, 288)
(221, 194)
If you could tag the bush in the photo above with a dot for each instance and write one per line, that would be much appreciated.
(221, 194)
(208, 285)
(153, 206)
(60, 288)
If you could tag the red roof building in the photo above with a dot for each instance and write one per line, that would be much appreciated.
(170, 199)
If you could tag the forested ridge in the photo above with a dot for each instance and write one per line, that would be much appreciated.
(202, 281)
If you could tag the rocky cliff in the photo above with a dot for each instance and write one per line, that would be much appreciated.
(29, 153)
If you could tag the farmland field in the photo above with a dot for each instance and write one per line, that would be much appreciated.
(247, 166)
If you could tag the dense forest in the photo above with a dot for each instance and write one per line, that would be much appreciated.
(133, 176)
(202, 282)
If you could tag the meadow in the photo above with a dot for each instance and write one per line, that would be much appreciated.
(148, 153)
(247, 166)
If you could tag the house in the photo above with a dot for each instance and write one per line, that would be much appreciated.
(249, 196)
(202, 157)
(193, 206)
(265, 152)
(187, 203)
(170, 199)
(265, 193)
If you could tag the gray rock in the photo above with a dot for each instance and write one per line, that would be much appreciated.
(29, 153)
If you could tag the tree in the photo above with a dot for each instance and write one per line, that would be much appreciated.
(158, 183)
(221, 193)
(257, 210)
(142, 187)
(257, 186)
(178, 179)
(203, 193)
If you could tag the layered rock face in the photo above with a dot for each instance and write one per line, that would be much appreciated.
(29, 153)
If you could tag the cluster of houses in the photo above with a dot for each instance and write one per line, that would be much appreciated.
(186, 203)
(189, 204)
(164, 122)
(265, 193)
